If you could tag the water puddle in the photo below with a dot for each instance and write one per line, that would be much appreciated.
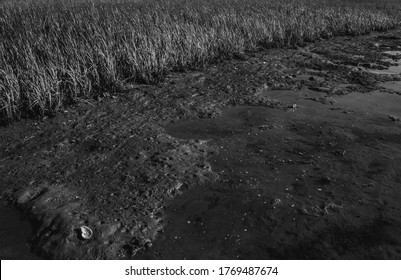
(392, 86)
(393, 52)
(14, 235)
(394, 69)
(376, 102)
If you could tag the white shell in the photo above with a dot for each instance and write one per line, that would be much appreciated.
(86, 232)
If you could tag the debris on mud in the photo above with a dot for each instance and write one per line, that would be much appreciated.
(86, 232)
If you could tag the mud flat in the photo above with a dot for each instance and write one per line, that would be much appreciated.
(284, 154)
(306, 181)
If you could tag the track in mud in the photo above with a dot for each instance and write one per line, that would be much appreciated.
(308, 180)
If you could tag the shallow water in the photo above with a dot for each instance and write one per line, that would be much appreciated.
(393, 52)
(392, 70)
(393, 86)
(376, 102)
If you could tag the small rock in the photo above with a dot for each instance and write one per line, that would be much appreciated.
(263, 127)
(276, 202)
(394, 119)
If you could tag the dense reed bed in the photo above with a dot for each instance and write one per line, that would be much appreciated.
(53, 53)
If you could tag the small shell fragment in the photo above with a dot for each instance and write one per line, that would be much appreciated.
(86, 232)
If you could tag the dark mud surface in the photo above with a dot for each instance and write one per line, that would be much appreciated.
(283, 154)
(310, 182)
(15, 233)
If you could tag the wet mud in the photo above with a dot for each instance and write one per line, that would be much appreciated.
(283, 154)
(306, 181)
(15, 234)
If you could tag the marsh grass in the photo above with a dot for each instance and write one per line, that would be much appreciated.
(53, 53)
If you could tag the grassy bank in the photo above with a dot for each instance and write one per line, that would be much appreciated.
(53, 53)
